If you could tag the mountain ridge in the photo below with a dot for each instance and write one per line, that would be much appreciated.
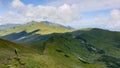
(43, 27)
(86, 48)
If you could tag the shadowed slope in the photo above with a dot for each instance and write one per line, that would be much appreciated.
(43, 27)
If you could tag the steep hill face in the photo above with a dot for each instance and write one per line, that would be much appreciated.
(96, 46)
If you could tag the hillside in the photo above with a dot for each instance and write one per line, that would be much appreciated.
(96, 46)
(29, 58)
(85, 48)
(24, 37)
(44, 27)
(33, 32)
(25, 57)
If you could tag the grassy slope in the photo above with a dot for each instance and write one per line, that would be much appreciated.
(95, 46)
(27, 57)
(44, 29)
(30, 58)
(108, 42)
(105, 40)
(66, 50)
(72, 50)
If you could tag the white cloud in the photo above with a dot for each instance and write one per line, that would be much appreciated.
(66, 12)
(0, 19)
(100, 5)
(89, 5)
(115, 14)
(17, 4)
(14, 18)
(25, 13)
(112, 21)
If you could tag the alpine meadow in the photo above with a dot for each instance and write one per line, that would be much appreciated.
(59, 33)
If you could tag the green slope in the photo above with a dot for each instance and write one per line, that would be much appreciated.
(30, 58)
(57, 50)
(85, 48)
(45, 28)
(88, 48)
(105, 40)
(25, 56)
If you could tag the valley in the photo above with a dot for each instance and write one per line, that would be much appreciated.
(47, 45)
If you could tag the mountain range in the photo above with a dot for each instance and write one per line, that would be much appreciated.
(48, 45)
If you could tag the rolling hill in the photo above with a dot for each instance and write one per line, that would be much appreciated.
(24, 58)
(44, 28)
(30, 58)
(56, 46)
(33, 31)
(96, 46)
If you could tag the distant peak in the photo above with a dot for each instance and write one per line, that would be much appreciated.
(53, 24)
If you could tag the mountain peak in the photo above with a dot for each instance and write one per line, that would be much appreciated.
(55, 24)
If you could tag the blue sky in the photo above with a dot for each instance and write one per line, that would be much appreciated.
(35, 2)
(76, 13)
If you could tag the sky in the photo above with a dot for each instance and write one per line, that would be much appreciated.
(75, 13)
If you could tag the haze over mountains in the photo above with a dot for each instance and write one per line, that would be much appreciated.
(48, 45)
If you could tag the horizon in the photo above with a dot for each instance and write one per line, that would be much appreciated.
(103, 14)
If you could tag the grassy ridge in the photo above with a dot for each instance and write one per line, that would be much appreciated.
(88, 48)
(27, 57)
(93, 46)
(30, 58)
(73, 53)
(43, 27)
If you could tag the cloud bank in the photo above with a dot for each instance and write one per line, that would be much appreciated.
(25, 13)
(66, 12)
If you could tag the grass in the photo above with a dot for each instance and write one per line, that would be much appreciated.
(30, 58)
(81, 47)
(9, 60)
(89, 48)
(66, 56)
(43, 27)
